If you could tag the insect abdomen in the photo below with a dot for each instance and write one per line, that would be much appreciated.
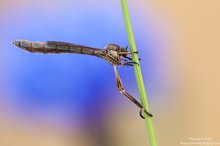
(40, 47)
(54, 47)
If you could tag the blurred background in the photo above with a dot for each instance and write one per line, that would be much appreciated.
(72, 100)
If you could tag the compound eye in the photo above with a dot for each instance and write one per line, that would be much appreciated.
(124, 50)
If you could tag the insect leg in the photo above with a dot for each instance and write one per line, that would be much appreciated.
(129, 58)
(122, 91)
(131, 63)
(126, 53)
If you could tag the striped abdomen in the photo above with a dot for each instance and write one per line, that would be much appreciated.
(56, 47)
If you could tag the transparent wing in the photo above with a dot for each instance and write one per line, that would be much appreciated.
(58, 43)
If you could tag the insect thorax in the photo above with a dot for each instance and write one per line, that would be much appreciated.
(112, 49)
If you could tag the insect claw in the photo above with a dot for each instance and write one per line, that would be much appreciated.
(149, 114)
(135, 63)
(142, 111)
(135, 52)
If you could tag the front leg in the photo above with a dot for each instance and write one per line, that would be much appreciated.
(129, 63)
(127, 53)
(124, 54)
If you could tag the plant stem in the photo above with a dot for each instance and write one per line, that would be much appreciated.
(138, 73)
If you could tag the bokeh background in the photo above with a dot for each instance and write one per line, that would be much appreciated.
(72, 100)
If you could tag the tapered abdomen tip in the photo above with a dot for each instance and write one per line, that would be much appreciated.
(16, 43)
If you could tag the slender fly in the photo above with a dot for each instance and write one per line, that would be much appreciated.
(112, 53)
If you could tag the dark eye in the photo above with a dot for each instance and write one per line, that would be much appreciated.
(123, 50)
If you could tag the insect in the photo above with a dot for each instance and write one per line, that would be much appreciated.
(112, 53)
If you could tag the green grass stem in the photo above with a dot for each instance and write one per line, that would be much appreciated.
(138, 73)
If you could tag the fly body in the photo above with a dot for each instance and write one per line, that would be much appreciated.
(112, 53)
